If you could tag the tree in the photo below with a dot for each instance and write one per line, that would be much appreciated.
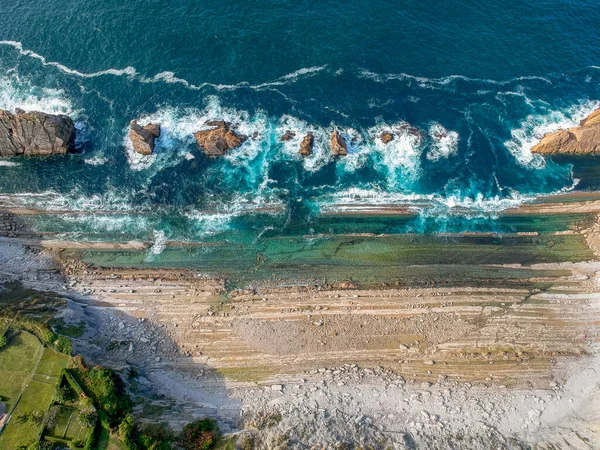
(126, 432)
(199, 435)
(88, 417)
(62, 395)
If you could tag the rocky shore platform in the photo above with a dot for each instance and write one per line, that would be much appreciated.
(409, 341)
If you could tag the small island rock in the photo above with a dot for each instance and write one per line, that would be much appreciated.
(581, 140)
(35, 133)
(288, 136)
(386, 137)
(217, 141)
(142, 138)
(306, 146)
(338, 144)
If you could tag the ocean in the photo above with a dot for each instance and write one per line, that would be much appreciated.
(481, 82)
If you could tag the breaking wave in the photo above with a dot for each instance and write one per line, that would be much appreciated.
(535, 126)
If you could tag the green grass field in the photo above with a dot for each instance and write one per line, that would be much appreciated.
(17, 363)
(38, 370)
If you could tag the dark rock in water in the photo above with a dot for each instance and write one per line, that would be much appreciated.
(219, 140)
(338, 144)
(35, 133)
(153, 129)
(581, 140)
(142, 139)
(255, 135)
(217, 123)
(306, 146)
(288, 136)
(386, 137)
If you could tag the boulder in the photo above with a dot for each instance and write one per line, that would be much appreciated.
(153, 129)
(288, 136)
(219, 140)
(338, 144)
(386, 137)
(35, 133)
(581, 140)
(306, 146)
(142, 138)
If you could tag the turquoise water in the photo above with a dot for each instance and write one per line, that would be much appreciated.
(481, 81)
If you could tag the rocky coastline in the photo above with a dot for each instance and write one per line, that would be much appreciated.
(581, 140)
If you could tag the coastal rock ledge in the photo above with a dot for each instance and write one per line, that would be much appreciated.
(581, 140)
(218, 141)
(142, 138)
(35, 133)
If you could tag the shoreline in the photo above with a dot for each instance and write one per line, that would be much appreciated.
(277, 325)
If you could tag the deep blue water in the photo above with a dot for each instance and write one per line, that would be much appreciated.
(491, 76)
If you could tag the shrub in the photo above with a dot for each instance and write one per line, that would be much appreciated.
(106, 389)
(62, 395)
(51, 417)
(88, 417)
(3, 341)
(199, 435)
(126, 432)
(76, 443)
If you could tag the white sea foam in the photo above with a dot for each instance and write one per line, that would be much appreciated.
(320, 156)
(73, 201)
(162, 77)
(535, 126)
(443, 143)
(128, 71)
(17, 92)
(9, 163)
(436, 83)
(427, 205)
(400, 158)
(160, 242)
(218, 219)
(96, 161)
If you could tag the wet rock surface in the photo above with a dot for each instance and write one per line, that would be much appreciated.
(35, 133)
(581, 140)
(219, 140)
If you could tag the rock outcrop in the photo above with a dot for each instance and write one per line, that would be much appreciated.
(306, 146)
(288, 136)
(142, 138)
(35, 133)
(338, 144)
(219, 140)
(581, 140)
(386, 137)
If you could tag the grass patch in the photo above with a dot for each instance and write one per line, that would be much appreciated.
(41, 382)
(17, 364)
(70, 330)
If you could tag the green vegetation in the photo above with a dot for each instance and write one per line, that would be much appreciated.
(69, 330)
(105, 388)
(32, 311)
(200, 435)
(32, 374)
(79, 407)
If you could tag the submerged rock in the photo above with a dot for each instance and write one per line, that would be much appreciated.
(35, 133)
(338, 144)
(386, 137)
(306, 146)
(288, 136)
(217, 141)
(581, 140)
(142, 138)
